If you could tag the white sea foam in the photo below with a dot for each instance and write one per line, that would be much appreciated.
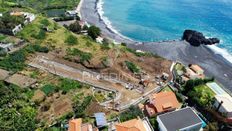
(106, 20)
(222, 52)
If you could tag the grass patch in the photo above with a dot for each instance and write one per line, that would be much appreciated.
(67, 84)
(2, 37)
(166, 89)
(71, 40)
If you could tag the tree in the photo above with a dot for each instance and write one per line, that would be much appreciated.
(94, 32)
(75, 27)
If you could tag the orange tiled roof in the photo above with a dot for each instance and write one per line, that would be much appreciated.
(75, 125)
(131, 125)
(162, 101)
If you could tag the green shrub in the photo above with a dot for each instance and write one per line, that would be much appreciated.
(45, 22)
(132, 67)
(48, 89)
(71, 40)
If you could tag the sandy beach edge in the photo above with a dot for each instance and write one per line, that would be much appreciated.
(176, 50)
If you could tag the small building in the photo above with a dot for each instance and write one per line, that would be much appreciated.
(1, 14)
(4, 74)
(29, 17)
(77, 125)
(161, 102)
(224, 105)
(165, 76)
(181, 120)
(134, 125)
(197, 69)
(6, 47)
(71, 13)
(223, 101)
(17, 29)
(99, 39)
(100, 119)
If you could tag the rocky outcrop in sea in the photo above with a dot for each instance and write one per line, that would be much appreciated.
(196, 38)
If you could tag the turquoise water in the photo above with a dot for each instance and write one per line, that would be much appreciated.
(156, 20)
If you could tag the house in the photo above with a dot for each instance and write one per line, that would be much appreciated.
(197, 69)
(71, 13)
(223, 100)
(76, 125)
(6, 47)
(181, 120)
(134, 125)
(223, 103)
(161, 102)
(100, 119)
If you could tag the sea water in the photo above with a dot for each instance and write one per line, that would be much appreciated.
(158, 20)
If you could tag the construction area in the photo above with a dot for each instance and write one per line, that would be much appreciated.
(126, 93)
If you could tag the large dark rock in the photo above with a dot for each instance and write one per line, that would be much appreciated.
(196, 38)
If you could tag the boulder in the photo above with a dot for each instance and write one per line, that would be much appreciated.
(196, 38)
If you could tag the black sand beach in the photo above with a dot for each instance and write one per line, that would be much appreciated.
(214, 65)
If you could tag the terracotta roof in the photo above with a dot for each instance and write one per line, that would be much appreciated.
(131, 125)
(161, 102)
(75, 125)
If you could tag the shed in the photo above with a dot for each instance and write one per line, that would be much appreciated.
(100, 119)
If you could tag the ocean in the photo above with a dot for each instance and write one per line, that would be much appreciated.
(158, 20)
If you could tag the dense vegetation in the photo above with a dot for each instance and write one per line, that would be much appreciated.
(132, 67)
(202, 95)
(8, 21)
(190, 84)
(83, 56)
(80, 106)
(17, 112)
(132, 113)
(15, 61)
(94, 32)
(75, 27)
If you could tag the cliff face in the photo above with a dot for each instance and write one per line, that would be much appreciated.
(196, 38)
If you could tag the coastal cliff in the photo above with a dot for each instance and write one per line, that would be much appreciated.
(196, 38)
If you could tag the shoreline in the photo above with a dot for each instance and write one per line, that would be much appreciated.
(176, 50)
